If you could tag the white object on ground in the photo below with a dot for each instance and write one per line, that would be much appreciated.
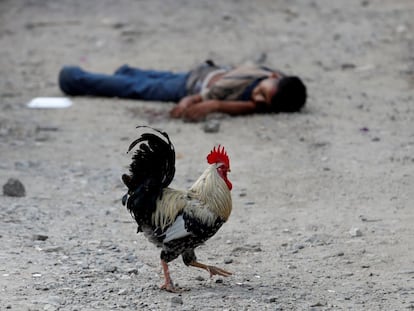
(50, 102)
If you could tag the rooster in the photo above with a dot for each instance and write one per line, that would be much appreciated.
(177, 221)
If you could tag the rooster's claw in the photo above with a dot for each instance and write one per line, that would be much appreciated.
(218, 271)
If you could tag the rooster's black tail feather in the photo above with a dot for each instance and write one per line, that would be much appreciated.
(151, 170)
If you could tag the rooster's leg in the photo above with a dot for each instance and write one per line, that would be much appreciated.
(168, 285)
(211, 269)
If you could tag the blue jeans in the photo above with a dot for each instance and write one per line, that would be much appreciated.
(126, 82)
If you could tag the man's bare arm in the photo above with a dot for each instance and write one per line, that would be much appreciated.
(202, 109)
(184, 103)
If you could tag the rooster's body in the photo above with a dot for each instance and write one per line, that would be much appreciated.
(175, 220)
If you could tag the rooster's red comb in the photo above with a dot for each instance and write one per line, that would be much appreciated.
(218, 155)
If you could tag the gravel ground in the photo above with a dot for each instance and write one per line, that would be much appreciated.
(323, 200)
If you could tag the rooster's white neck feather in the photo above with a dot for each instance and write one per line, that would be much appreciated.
(208, 197)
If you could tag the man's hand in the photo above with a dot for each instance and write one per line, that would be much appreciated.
(200, 110)
(193, 108)
(186, 102)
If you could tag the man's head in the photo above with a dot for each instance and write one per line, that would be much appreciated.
(290, 95)
(280, 94)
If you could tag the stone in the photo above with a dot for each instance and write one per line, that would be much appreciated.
(211, 126)
(355, 232)
(177, 300)
(14, 188)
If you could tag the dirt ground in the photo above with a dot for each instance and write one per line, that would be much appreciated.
(323, 214)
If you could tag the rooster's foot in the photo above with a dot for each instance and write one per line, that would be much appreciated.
(169, 287)
(218, 271)
(169, 284)
(211, 269)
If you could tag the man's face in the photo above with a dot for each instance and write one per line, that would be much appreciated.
(266, 89)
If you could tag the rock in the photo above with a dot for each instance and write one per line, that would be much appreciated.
(318, 240)
(176, 300)
(14, 188)
(48, 307)
(39, 237)
(211, 126)
(110, 268)
(42, 287)
(298, 246)
(346, 66)
(53, 249)
(130, 258)
(318, 304)
(247, 248)
(355, 232)
(55, 300)
(123, 291)
(260, 58)
(270, 299)
(133, 271)
(406, 272)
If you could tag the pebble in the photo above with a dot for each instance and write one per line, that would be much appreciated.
(50, 308)
(42, 287)
(211, 126)
(318, 304)
(355, 232)
(130, 258)
(133, 271)
(14, 188)
(406, 272)
(123, 291)
(110, 268)
(23, 166)
(177, 300)
(55, 300)
(53, 249)
(39, 237)
(247, 248)
(260, 58)
(271, 299)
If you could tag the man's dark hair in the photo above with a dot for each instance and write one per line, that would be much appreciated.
(290, 95)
